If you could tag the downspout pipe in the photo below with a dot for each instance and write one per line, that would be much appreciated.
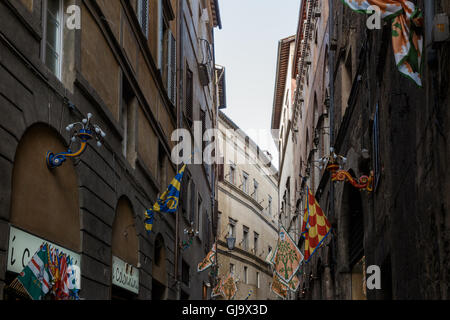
(179, 125)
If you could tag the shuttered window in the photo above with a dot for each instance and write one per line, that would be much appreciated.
(142, 13)
(53, 36)
(171, 68)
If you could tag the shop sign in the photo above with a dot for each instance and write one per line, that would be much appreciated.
(22, 247)
(125, 275)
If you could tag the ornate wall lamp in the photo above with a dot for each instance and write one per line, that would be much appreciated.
(191, 233)
(334, 164)
(86, 132)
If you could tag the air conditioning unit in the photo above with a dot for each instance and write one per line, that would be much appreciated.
(317, 13)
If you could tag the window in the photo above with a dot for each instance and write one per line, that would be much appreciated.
(185, 273)
(199, 214)
(142, 14)
(203, 120)
(245, 182)
(232, 174)
(245, 238)
(162, 167)
(257, 280)
(269, 249)
(255, 191)
(168, 56)
(270, 206)
(53, 35)
(232, 228)
(232, 268)
(185, 185)
(189, 96)
(246, 275)
(255, 242)
(193, 201)
(128, 122)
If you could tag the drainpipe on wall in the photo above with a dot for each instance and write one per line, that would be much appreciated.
(179, 125)
(331, 80)
(331, 83)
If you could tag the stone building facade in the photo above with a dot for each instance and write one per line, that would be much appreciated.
(127, 66)
(248, 210)
(299, 111)
(381, 122)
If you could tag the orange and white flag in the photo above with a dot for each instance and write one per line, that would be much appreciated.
(407, 40)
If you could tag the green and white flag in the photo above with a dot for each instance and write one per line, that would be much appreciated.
(35, 278)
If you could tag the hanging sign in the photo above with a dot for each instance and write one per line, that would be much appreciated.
(125, 275)
(22, 247)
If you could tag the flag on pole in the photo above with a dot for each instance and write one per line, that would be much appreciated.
(216, 291)
(278, 287)
(167, 202)
(315, 227)
(229, 288)
(407, 42)
(287, 258)
(209, 260)
(35, 278)
(294, 284)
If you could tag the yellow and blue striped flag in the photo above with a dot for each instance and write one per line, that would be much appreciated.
(167, 202)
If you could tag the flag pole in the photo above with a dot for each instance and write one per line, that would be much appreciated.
(179, 125)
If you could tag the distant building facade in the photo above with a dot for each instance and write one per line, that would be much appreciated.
(248, 206)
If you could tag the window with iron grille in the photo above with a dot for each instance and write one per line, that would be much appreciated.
(142, 13)
(189, 96)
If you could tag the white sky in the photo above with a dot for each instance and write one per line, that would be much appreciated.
(247, 46)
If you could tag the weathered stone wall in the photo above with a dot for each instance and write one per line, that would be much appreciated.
(406, 217)
(106, 50)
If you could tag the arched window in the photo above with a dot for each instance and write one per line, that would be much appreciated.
(125, 246)
(159, 282)
(354, 217)
(44, 202)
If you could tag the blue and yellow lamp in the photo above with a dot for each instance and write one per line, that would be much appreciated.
(86, 132)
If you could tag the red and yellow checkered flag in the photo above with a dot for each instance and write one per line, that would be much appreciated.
(316, 226)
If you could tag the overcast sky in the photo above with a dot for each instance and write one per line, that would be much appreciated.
(247, 46)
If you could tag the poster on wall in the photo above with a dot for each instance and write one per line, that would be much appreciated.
(125, 275)
(22, 247)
